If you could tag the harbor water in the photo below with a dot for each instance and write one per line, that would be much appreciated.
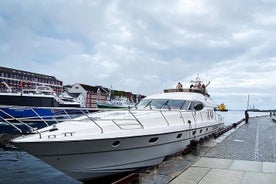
(19, 167)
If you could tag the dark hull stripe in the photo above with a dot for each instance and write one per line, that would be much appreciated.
(150, 145)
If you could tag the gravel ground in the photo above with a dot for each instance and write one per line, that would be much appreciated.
(255, 141)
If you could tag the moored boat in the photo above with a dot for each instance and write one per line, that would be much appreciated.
(115, 141)
(222, 107)
(32, 102)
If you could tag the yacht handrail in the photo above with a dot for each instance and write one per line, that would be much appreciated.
(136, 119)
(14, 118)
(168, 124)
(196, 116)
(39, 116)
(31, 128)
(11, 124)
(94, 122)
(182, 117)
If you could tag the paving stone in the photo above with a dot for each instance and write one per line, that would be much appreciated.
(213, 163)
(244, 165)
(221, 176)
(269, 167)
(191, 176)
(262, 178)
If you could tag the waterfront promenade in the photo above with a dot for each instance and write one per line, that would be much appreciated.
(227, 171)
(245, 156)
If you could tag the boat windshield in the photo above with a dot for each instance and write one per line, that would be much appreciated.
(163, 104)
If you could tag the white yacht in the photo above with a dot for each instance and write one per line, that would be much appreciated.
(110, 142)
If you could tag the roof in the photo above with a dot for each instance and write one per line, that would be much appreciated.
(94, 89)
(105, 90)
(43, 76)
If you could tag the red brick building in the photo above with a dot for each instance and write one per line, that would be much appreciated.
(18, 79)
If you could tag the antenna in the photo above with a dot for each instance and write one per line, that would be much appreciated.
(247, 102)
(197, 78)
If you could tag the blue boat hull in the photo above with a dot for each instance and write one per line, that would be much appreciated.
(24, 112)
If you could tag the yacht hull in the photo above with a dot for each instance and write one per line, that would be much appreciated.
(87, 159)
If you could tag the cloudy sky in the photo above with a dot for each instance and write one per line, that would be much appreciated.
(146, 46)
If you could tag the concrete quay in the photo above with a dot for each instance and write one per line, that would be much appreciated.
(227, 171)
(242, 156)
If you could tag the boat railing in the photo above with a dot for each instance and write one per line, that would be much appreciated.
(219, 117)
(69, 113)
(191, 90)
(186, 116)
(26, 119)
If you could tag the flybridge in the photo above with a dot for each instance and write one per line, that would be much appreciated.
(193, 90)
(196, 86)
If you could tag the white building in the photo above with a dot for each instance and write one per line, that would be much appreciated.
(88, 95)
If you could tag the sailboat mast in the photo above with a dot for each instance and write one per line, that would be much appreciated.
(248, 102)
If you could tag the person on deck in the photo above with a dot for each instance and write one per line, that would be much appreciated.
(179, 86)
(204, 87)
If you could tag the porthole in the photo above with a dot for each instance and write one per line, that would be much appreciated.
(179, 136)
(194, 132)
(153, 140)
(200, 131)
(116, 143)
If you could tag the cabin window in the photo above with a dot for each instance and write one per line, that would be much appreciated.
(116, 143)
(186, 105)
(196, 106)
(175, 104)
(158, 104)
(164, 104)
(143, 104)
(179, 136)
(199, 107)
(151, 104)
(190, 106)
(153, 140)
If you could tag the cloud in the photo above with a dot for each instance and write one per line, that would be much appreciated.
(145, 46)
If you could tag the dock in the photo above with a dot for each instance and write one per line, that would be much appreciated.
(244, 155)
